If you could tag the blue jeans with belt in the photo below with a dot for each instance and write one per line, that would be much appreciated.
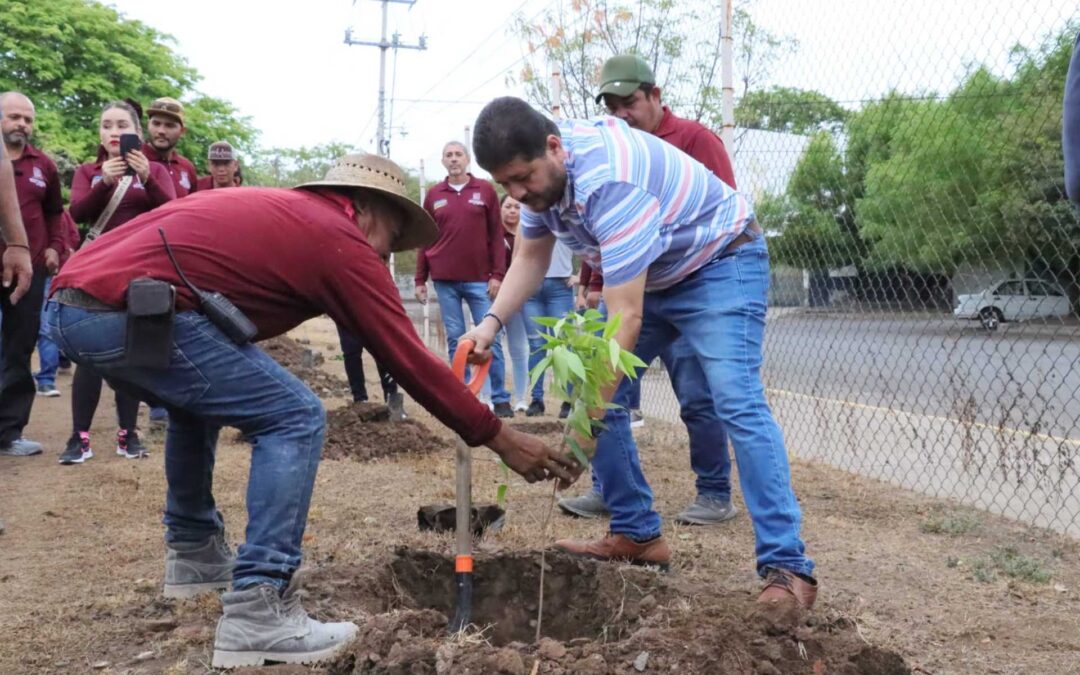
(210, 383)
(720, 311)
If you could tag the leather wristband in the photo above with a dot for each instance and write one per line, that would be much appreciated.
(502, 326)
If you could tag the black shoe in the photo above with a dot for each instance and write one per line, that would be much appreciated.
(77, 450)
(503, 410)
(128, 445)
(564, 410)
(536, 408)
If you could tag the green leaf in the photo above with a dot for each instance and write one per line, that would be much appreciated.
(559, 359)
(613, 325)
(578, 453)
(576, 366)
(500, 494)
(538, 370)
(629, 363)
(546, 321)
(614, 351)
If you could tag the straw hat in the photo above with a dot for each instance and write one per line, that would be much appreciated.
(378, 174)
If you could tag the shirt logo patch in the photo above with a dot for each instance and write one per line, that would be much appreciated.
(439, 203)
(185, 182)
(38, 178)
(476, 199)
(95, 180)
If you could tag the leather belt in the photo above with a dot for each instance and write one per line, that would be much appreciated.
(76, 297)
(752, 232)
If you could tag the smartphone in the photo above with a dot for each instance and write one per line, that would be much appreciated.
(129, 142)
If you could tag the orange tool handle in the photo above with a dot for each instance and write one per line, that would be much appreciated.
(480, 372)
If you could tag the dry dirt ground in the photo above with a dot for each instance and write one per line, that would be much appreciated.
(908, 584)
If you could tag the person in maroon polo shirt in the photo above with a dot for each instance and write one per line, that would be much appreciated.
(282, 257)
(223, 164)
(165, 127)
(37, 185)
(628, 90)
(468, 261)
(91, 191)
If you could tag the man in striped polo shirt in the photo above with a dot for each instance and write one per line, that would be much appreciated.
(681, 255)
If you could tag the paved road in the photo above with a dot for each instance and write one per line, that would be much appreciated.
(991, 420)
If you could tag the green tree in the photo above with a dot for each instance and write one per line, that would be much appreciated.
(679, 40)
(73, 56)
(795, 111)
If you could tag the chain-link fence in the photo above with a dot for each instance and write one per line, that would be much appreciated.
(926, 264)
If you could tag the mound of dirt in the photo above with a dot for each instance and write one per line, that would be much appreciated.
(304, 363)
(363, 431)
(539, 427)
(599, 618)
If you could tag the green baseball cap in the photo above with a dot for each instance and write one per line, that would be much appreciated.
(622, 74)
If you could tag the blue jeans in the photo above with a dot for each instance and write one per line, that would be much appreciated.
(709, 456)
(450, 294)
(720, 311)
(48, 352)
(210, 383)
(554, 299)
(517, 342)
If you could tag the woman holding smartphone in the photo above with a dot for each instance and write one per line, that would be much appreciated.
(146, 186)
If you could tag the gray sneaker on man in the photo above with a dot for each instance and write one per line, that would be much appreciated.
(22, 447)
(589, 505)
(707, 511)
(198, 567)
(258, 625)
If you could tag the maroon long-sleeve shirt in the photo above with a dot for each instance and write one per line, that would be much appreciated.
(90, 195)
(282, 257)
(37, 184)
(470, 245)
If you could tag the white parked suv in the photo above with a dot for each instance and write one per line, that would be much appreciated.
(1013, 300)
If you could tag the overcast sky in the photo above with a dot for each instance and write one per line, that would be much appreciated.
(286, 65)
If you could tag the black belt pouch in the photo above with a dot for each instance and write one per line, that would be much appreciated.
(151, 306)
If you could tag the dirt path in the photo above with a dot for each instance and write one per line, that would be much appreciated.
(81, 565)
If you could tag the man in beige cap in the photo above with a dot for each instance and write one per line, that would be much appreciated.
(282, 257)
(223, 164)
(165, 128)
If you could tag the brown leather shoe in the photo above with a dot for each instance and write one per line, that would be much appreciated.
(621, 548)
(784, 586)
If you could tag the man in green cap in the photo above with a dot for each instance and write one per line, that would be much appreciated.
(628, 90)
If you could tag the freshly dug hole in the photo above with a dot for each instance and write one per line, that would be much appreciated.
(582, 598)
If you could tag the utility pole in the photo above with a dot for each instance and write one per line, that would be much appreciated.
(383, 44)
(727, 77)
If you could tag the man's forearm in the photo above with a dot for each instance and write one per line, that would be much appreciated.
(525, 275)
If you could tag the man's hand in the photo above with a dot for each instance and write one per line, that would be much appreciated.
(52, 260)
(528, 456)
(592, 299)
(17, 268)
(421, 293)
(493, 288)
(483, 335)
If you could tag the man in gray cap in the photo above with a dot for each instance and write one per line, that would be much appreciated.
(281, 257)
(223, 164)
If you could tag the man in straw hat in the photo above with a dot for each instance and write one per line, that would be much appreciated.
(282, 257)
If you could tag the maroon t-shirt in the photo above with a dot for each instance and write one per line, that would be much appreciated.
(282, 257)
(90, 195)
(37, 184)
(470, 244)
(180, 168)
(698, 141)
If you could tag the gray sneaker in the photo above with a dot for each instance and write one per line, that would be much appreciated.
(707, 511)
(588, 505)
(258, 625)
(198, 567)
(22, 447)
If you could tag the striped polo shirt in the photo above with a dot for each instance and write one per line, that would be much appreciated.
(634, 202)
